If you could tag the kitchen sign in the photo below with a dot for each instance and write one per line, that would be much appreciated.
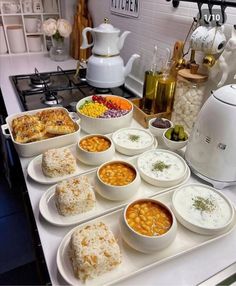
(125, 8)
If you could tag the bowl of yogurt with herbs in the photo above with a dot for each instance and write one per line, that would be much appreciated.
(202, 209)
(132, 141)
(162, 168)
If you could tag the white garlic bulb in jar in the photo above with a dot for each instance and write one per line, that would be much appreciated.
(188, 100)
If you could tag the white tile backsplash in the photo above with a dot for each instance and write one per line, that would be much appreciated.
(158, 23)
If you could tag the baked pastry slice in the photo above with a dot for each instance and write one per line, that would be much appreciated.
(57, 121)
(58, 162)
(93, 251)
(28, 128)
(74, 196)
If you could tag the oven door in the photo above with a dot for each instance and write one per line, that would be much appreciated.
(10, 162)
(11, 168)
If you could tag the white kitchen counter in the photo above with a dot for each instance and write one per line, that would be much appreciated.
(189, 269)
(18, 64)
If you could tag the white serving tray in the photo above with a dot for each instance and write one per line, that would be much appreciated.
(49, 211)
(34, 169)
(134, 262)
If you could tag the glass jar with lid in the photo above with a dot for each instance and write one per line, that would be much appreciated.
(189, 97)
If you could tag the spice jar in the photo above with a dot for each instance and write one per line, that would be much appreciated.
(189, 95)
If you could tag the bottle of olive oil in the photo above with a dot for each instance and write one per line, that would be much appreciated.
(165, 90)
(150, 85)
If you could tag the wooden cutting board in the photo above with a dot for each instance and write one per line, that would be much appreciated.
(82, 19)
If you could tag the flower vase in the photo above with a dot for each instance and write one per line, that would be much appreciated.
(58, 50)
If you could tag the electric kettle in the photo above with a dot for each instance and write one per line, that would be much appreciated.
(105, 68)
(211, 150)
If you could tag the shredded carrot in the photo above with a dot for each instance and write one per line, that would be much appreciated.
(121, 103)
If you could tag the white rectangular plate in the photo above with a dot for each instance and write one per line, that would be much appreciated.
(35, 167)
(134, 262)
(49, 211)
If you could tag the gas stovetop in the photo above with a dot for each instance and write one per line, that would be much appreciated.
(58, 88)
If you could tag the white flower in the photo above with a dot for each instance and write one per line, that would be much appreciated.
(50, 27)
(64, 27)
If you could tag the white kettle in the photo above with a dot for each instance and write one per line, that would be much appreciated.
(106, 39)
(108, 72)
(105, 68)
(211, 150)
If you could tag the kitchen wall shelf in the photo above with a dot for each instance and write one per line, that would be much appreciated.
(8, 20)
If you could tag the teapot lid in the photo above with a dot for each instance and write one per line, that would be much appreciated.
(226, 94)
(105, 27)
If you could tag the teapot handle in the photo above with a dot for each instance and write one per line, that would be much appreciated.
(85, 43)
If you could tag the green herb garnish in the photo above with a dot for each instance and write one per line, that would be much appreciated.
(133, 138)
(160, 166)
(203, 205)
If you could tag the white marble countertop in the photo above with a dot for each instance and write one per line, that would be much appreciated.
(189, 269)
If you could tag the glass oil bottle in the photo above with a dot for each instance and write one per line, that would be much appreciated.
(150, 85)
(165, 90)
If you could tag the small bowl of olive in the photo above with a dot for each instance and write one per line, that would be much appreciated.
(175, 137)
(157, 126)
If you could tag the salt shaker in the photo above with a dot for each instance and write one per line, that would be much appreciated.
(188, 100)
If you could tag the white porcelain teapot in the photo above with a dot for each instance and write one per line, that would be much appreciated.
(108, 72)
(106, 39)
(105, 68)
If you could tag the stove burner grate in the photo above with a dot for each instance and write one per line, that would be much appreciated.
(40, 90)
(40, 80)
(51, 98)
(103, 90)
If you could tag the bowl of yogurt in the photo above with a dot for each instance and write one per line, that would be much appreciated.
(161, 168)
(202, 209)
(132, 141)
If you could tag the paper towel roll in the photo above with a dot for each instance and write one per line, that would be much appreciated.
(16, 39)
(3, 45)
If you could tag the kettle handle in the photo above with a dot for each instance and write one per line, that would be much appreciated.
(85, 43)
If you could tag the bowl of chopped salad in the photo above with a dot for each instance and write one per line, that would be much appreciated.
(104, 114)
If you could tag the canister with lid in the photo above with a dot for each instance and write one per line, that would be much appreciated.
(189, 97)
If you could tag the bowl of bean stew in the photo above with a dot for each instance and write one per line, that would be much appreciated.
(95, 149)
(148, 225)
(117, 180)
